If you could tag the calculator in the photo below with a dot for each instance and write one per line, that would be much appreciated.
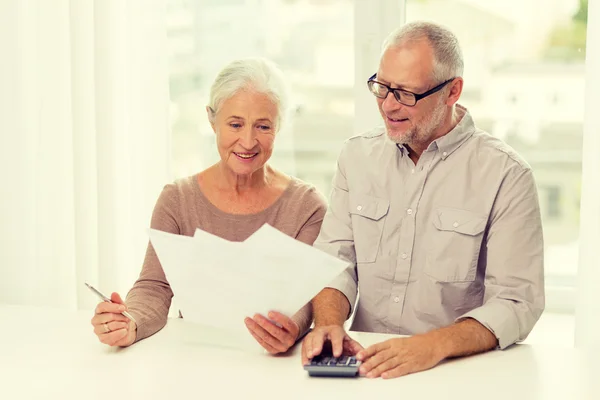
(325, 364)
(344, 366)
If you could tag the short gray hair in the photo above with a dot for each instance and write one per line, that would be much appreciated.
(256, 73)
(448, 58)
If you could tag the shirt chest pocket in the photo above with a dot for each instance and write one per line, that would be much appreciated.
(454, 245)
(368, 217)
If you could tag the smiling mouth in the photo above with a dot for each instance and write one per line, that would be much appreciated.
(397, 119)
(246, 156)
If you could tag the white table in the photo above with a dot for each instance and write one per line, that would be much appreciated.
(51, 354)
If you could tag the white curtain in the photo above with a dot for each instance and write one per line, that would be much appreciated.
(85, 145)
(587, 322)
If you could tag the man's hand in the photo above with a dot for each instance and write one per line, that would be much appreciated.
(402, 356)
(341, 343)
(398, 357)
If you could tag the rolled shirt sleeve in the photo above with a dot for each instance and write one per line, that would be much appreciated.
(514, 277)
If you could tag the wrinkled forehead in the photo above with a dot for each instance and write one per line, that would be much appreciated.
(252, 102)
(408, 65)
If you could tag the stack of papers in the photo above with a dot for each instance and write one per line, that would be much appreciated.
(217, 283)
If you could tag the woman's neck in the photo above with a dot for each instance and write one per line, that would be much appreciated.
(230, 181)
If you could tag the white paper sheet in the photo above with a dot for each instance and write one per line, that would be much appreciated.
(217, 283)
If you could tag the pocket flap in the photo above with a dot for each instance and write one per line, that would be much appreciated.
(368, 206)
(461, 221)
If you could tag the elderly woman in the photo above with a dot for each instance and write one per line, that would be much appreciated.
(231, 199)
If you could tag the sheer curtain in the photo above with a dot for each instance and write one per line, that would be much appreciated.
(587, 322)
(85, 145)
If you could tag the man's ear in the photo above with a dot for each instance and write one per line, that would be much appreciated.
(211, 117)
(456, 87)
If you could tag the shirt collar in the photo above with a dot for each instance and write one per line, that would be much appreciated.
(451, 141)
(402, 148)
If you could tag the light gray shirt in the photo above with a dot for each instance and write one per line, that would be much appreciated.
(458, 235)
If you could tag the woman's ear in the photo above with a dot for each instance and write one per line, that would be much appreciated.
(211, 117)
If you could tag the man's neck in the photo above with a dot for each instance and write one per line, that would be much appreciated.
(452, 119)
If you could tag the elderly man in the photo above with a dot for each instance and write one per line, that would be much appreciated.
(439, 220)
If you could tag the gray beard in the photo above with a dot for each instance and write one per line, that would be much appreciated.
(420, 134)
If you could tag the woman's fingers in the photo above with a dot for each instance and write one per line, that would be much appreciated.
(287, 323)
(280, 334)
(104, 318)
(262, 342)
(112, 337)
(115, 298)
(265, 337)
(109, 327)
(106, 307)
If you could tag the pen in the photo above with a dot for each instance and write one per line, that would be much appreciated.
(103, 297)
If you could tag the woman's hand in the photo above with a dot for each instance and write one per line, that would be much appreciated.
(111, 327)
(276, 334)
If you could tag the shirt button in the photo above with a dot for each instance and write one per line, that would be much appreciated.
(455, 224)
(359, 208)
(396, 299)
(413, 171)
(404, 255)
(409, 211)
(444, 154)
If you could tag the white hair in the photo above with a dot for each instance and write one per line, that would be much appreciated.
(448, 58)
(256, 74)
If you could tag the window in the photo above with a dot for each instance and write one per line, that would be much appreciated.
(551, 207)
(524, 82)
(520, 52)
(312, 42)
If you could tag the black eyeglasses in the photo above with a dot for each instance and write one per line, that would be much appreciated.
(405, 97)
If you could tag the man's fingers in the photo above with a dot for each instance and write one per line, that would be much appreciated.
(375, 360)
(351, 346)
(400, 370)
(336, 337)
(303, 356)
(284, 321)
(371, 350)
(385, 366)
(308, 346)
(314, 343)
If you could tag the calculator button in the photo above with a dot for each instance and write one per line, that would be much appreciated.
(343, 361)
(332, 362)
(352, 361)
